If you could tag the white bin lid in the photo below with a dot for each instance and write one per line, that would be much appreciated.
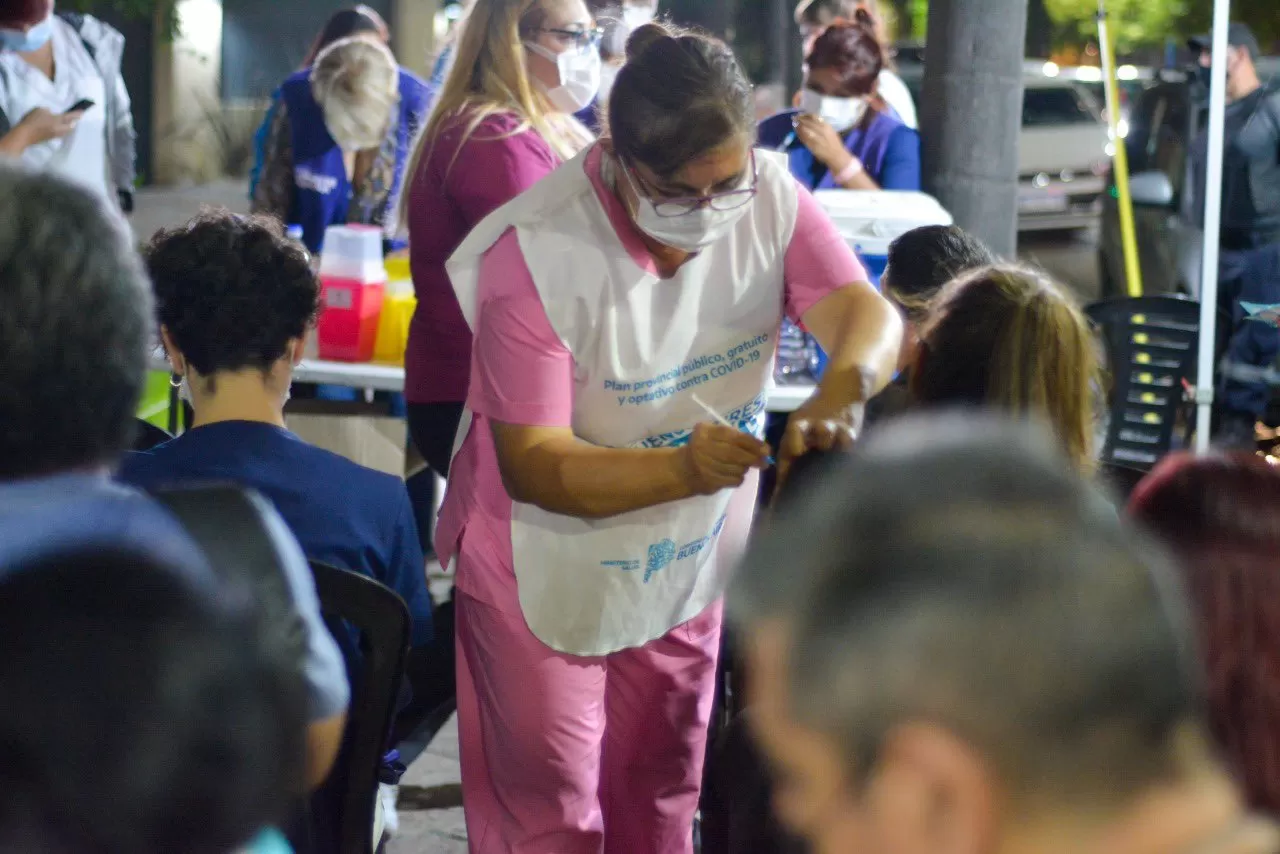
(353, 252)
(872, 219)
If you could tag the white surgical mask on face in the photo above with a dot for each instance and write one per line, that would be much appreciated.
(579, 77)
(690, 232)
(841, 113)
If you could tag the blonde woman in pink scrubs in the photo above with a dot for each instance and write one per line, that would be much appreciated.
(595, 509)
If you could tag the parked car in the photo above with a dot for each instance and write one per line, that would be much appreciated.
(1166, 120)
(1130, 82)
(1063, 152)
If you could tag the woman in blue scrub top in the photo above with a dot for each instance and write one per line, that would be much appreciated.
(844, 136)
(341, 137)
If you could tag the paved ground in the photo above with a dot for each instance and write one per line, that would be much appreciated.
(437, 831)
(161, 207)
(1070, 257)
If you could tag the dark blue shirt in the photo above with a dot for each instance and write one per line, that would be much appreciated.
(43, 516)
(343, 514)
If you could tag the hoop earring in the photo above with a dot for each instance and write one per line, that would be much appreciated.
(175, 380)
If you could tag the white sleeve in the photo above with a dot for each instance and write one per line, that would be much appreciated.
(897, 95)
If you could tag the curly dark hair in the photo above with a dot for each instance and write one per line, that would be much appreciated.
(232, 290)
(75, 332)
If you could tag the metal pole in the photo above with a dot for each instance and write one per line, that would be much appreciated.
(1212, 223)
(1128, 233)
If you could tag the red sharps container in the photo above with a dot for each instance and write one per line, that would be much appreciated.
(352, 284)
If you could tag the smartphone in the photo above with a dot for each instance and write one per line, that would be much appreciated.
(80, 106)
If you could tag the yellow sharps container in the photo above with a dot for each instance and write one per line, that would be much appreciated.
(397, 311)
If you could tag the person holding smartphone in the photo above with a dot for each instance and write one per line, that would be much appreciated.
(64, 106)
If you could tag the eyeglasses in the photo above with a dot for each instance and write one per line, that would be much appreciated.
(727, 201)
(580, 37)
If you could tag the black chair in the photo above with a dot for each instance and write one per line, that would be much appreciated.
(148, 435)
(1152, 345)
(1121, 479)
(382, 620)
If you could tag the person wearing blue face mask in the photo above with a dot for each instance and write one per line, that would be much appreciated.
(63, 102)
(844, 136)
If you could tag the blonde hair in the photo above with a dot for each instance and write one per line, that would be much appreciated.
(488, 76)
(356, 83)
(1010, 338)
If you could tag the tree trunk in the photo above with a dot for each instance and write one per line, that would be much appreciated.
(971, 114)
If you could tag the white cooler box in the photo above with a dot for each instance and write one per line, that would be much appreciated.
(869, 220)
(872, 219)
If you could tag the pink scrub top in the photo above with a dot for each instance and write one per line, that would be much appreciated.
(457, 185)
(522, 373)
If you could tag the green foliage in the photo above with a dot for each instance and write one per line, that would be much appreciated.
(1134, 23)
(1260, 16)
(162, 11)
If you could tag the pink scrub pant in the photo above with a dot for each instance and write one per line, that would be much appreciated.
(563, 754)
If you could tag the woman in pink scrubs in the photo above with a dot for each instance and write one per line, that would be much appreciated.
(595, 507)
(503, 120)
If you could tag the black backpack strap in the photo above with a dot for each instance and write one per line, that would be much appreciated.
(229, 525)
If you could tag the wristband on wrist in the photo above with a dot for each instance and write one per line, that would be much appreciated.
(848, 173)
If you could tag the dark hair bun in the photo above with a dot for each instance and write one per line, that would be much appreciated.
(645, 37)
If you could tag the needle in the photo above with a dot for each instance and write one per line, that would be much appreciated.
(724, 422)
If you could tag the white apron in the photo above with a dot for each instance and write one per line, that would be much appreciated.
(642, 348)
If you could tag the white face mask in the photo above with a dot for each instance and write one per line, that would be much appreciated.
(841, 113)
(690, 232)
(579, 77)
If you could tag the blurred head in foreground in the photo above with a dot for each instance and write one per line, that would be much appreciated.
(139, 717)
(1221, 516)
(75, 331)
(993, 666)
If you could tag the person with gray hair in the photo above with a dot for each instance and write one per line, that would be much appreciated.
(75, 338)
(341, 137)
(999, 666)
